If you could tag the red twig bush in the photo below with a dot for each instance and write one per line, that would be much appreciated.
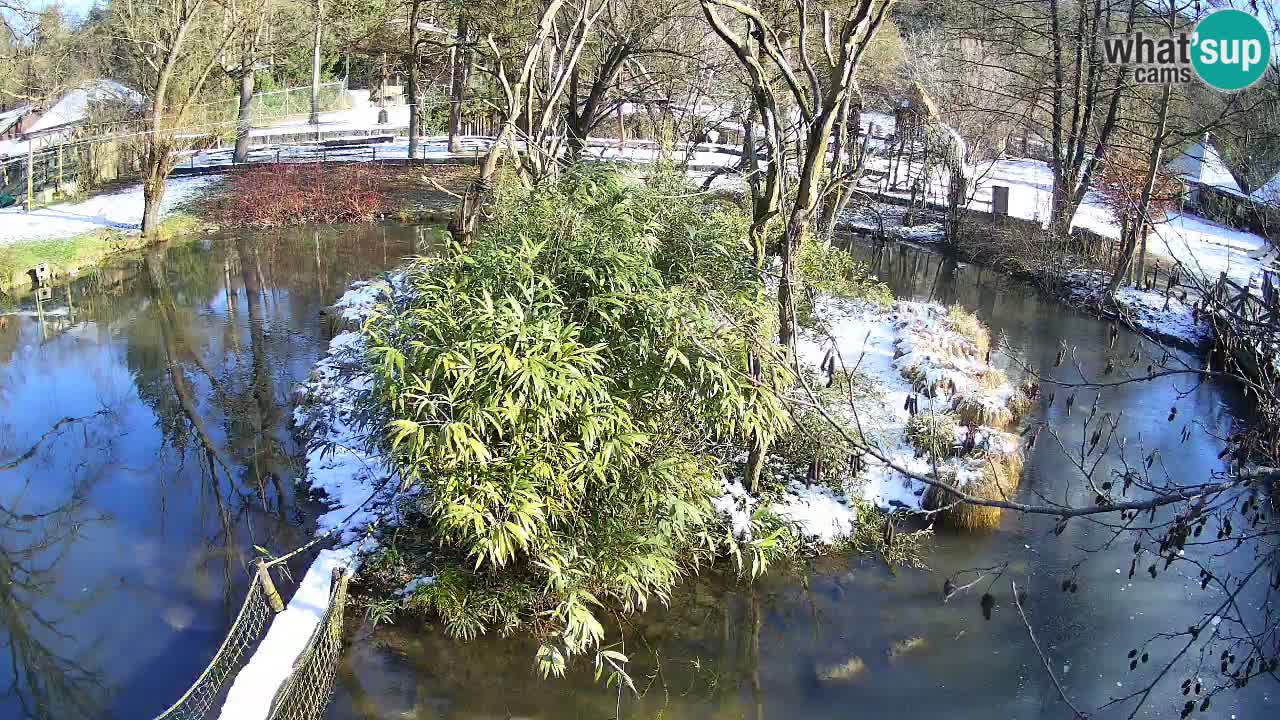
(297, 193)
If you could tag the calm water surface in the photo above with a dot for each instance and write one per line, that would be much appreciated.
(124, 535)
(727, 651)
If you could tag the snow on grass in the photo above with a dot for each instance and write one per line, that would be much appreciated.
(119, 210)
(817, 513)
(1203, 246)
(1162, 316)
(358, 302)
(413, 585)
(883, 348)
(1209, 249)
(356, 481)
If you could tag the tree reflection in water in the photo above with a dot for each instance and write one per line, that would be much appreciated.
(44, 676)
(125, 540)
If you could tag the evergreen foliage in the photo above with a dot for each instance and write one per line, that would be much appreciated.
(565, 390)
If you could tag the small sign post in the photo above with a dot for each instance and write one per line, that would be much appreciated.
(1000, 200)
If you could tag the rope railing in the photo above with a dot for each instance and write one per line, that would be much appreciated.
(249, 626)
(304, 695)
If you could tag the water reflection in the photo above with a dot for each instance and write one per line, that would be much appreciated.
(124, 534)
(849, 638)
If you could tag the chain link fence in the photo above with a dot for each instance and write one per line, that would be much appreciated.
(271, 107)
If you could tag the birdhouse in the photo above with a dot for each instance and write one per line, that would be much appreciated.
(40, 275)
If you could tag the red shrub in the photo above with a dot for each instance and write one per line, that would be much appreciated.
(296, 193)
(1120, 185)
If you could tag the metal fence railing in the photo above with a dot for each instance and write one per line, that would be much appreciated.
(268, 108)
(74, 165)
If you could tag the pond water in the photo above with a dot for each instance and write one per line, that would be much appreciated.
(154, 397)
(724, 650)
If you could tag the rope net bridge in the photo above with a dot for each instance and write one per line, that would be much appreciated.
(305, 690)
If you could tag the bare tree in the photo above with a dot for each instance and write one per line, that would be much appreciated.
(821, 99)
(169, 48)
(531, 74)
(1052, 55)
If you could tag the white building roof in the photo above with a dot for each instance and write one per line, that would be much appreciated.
(10, 117)
(1199, 162)
(73, 107)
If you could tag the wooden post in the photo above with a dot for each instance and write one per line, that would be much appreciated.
(59, 167)
(269, 587)
(31, 160)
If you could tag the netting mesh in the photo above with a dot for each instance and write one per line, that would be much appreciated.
(245, 632)
(305, 693)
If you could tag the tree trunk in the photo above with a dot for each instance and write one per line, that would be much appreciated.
(463, 226)
(458, 83)
(152, 196)
(786, 296)
(622, 129)
(411, 92)
(1138, 227)
(576, 121)
(315, 66)
(242, 118)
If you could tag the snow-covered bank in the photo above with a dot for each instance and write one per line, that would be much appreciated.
(1156, 314)
(914, 351)
(353, 477)
(894, 366)
(119, 210)
(357, 486)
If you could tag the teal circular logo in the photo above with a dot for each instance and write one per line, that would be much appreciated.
(1231, 50)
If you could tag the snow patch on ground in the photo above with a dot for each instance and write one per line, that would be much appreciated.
(883, 346)
(120, 210)
(357, 483)
(1162, 316)
(816, 512)
(414, 585)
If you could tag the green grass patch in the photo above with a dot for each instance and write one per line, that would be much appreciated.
(72, 254)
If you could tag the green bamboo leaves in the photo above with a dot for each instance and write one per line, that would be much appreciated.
(565, 388)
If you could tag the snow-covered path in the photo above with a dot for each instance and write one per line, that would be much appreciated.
(119, 210)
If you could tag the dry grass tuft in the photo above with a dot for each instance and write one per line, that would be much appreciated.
(1000, 478)
(969, 326)
(1021, 403)
(932, 434)
(972, 410)
(992, 378)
